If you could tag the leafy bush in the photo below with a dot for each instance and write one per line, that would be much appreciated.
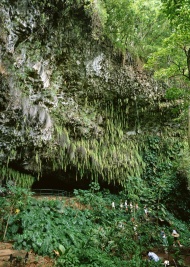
(95, 236)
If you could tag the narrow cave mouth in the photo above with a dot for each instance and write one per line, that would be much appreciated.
(60, 180)
(68, 181)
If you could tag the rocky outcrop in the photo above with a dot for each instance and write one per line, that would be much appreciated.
(67, 101)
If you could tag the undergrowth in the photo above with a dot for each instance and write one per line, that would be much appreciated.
(86, 231)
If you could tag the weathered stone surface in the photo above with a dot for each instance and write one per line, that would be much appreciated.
(53, 74)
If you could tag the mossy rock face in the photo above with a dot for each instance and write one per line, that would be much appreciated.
(67, 101)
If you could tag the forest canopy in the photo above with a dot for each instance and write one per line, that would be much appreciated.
(154, 32)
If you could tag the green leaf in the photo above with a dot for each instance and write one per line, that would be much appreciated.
(61, 249)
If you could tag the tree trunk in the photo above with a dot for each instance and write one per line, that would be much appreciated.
(188, 62)
(189, 126)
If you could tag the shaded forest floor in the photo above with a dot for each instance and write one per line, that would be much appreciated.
(6, 248)
(183, 253)
(38, 261)
(33, 260)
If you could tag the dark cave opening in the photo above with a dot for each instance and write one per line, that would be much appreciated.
(62, 181)
(68, 181)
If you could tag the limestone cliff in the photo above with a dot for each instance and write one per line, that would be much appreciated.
(68, 101)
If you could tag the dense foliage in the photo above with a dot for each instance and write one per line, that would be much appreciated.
(74, 116)
(86, 230)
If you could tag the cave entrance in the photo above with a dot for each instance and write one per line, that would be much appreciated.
(60, 180)
(68, 181)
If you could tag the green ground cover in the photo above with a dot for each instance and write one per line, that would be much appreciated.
(87, 231)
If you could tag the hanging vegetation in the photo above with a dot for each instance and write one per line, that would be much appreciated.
(83, 101)
(18, 178)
